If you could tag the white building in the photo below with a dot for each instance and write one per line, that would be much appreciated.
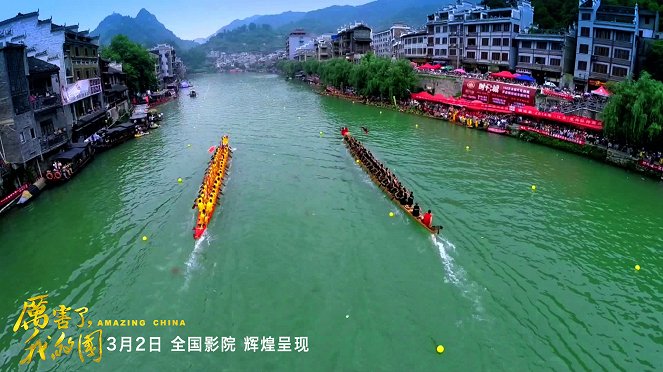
(415, 45)
(296, 39)
(386, 43)
(465, 34)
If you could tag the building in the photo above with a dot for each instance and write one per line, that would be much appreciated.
(113, 82)
(607, 42)
(352, 42)
(306, 51)
(415, 46)
(29, 125)
(168, 64)
(477, 37)
(296, 39)
(386, 43)
(545, 55)
(323, 47)
(75, 53)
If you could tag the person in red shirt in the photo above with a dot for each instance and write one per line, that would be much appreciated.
(427, 219)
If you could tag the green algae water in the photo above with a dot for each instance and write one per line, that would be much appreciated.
(303, 246)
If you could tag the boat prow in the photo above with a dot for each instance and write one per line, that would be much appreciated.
(198, 232)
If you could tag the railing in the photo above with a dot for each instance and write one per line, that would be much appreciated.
(52, 141)
(43, 103)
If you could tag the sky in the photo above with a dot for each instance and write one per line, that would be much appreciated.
(188, 19)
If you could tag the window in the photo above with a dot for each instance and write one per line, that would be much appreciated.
(600, 68)
(524, 59)
(624, 36)
(453, 28)
(421, 40)
(622, 53)
(472, 28)
(471, 42)
(602, 51)
(444, 40)
(555, 62)
(583, 49)
(78, 75)
(539, 60)
(497, 42)
(495, 56)
(543, 45)
(507, 26)
(34, 135)
(505, 41)
(516, 28)
(497, 27)
(601, 33)
(471, 55)
(76, 51)
(485, 41)
(484, 55)
(452, 40)
(87, 74)
(437, 52)
(437, 29)
(582, 65)
(437, 41)
(619, 71)
(586, 16)
(584, 31)
(526, 44)
(555, 46)
(22, 137)
(452, 52)
(484, 28)
(505, 57)
(444, 28)
(443, 52)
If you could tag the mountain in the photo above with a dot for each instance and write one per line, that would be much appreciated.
(144, 29)
(379, 15)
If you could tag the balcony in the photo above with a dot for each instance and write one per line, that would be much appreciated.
(539, 67)
(53, 141)
(44, 103)
(598, 76)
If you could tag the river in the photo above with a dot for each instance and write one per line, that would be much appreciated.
(303, 245)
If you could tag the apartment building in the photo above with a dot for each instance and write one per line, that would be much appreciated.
(471, 36)
(546, 55)
(352, 42)
(296, 39)
(386, 43)
(607, 42)
(415, 46)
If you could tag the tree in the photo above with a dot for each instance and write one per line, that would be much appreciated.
(136, 61)
(653, 59)
(634, 113)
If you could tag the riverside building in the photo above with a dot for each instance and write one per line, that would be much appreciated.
(296, 39)
(386, 43)
(352, 42)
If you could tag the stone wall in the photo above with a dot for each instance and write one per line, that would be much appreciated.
(448, 86)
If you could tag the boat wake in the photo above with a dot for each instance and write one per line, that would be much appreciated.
(192, 262)
(457, 276)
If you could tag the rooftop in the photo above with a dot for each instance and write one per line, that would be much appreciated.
(37, 66)
(19, 16)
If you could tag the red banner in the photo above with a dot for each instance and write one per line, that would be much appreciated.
(497, 93)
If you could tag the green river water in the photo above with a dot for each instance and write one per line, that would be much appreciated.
(302, 245)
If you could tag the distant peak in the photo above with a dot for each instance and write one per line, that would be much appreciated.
(144, 13)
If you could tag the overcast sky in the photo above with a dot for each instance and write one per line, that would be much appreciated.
(188, 19)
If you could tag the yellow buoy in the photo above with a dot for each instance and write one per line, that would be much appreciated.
(467, 147)
(189, 145)
(439, 349)
(391, 214)
(416, 125)
(380, 112)
(144, 238)
(179, 180)
(533, 187)
(637, 267)
(357, 161)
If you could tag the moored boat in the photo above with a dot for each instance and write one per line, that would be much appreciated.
(11, 198)
(432, 229)
(69, 163)
(210, 190)
(32, 192)
(497, 130)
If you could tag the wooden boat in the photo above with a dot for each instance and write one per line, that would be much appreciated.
(13, 196)
(497, 130)
(220, 161)
(73, 160)
(114, 136)
(32, 192)
(138, 135)
(432, 229)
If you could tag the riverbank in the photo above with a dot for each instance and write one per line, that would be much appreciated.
(595, 152)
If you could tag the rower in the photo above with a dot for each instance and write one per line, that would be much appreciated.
(416, 210)
(427, 219)
(365, 129)
(410, 199)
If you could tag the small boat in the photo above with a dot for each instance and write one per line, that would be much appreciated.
(138, 135)
(154, 126)
(193, 93)
(32, 192)
(9, 200)
(214, 176)
(497, 130)
(431, 229)
(154, 115)
(69, 163)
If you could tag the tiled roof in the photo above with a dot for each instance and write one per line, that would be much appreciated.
(37, 66)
